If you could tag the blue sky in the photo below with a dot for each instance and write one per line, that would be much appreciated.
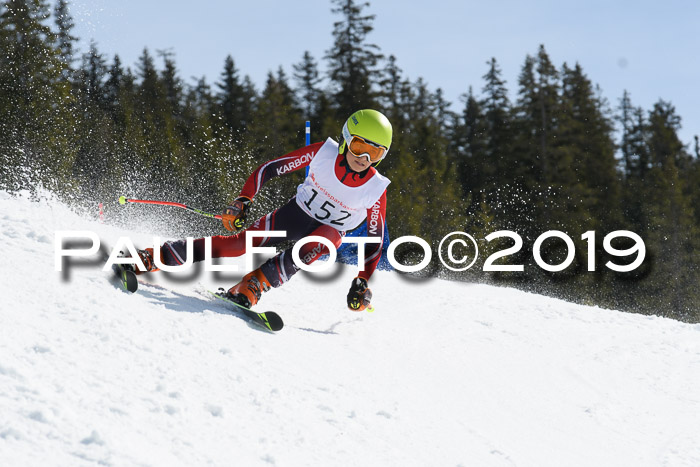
(651, 50)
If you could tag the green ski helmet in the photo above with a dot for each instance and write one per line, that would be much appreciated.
(367, 133)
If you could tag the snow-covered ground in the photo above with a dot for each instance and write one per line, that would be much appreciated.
(441, 374)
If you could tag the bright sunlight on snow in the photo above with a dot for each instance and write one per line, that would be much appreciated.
(441, 374)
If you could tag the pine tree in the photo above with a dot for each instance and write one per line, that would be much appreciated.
(230, 97)
(545, 167)
(514, 201)
(65, 40)
(113, 88)
(119, 98)
(309, 94)
(470, 147)
(627, 144)
(201, 99)
(407, 198)
(92, 76)
(443, 115)
(390, 88)
(591, 198)
(664, 142)
(636, 162)
(586, 131)
(693, 181)
(536, 118)
(392, 99)
(277, 128)
(547, 111)
(672, 240)
(160, 147)
(150, 90)
(278, 122)
(205, 157)
(525, 116)
(660, 210)
(428, 146)
(172, 85)
(249, 100)
(352, 60)
(27, 42)
(221, 163)
(36, 126)
(498, 166)
(641, 157)
(92, 162)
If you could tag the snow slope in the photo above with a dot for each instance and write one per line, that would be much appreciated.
(484, 376)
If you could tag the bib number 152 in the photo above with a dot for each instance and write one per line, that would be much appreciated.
(326, 212)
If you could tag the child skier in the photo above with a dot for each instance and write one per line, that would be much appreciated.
(341, 190)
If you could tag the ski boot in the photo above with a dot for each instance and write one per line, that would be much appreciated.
(147, 260)
(248, 292)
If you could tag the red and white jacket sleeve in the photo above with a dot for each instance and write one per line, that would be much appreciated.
(295, 160)
(376, 220)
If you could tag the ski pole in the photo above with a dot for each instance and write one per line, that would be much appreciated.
(124, 200)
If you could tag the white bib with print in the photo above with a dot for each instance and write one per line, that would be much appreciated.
(326, 199)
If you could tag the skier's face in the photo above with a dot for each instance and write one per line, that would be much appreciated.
(357, 164)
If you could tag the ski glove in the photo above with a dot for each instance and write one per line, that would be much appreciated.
(360, 295)
(234, 216)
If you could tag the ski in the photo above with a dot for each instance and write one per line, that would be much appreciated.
(127, 278)
(268, 320)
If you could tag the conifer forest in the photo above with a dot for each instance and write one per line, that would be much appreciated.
(87, 128)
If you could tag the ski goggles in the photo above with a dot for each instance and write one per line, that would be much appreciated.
(360, 147)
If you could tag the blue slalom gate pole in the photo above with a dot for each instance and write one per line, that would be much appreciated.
(308, 139)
